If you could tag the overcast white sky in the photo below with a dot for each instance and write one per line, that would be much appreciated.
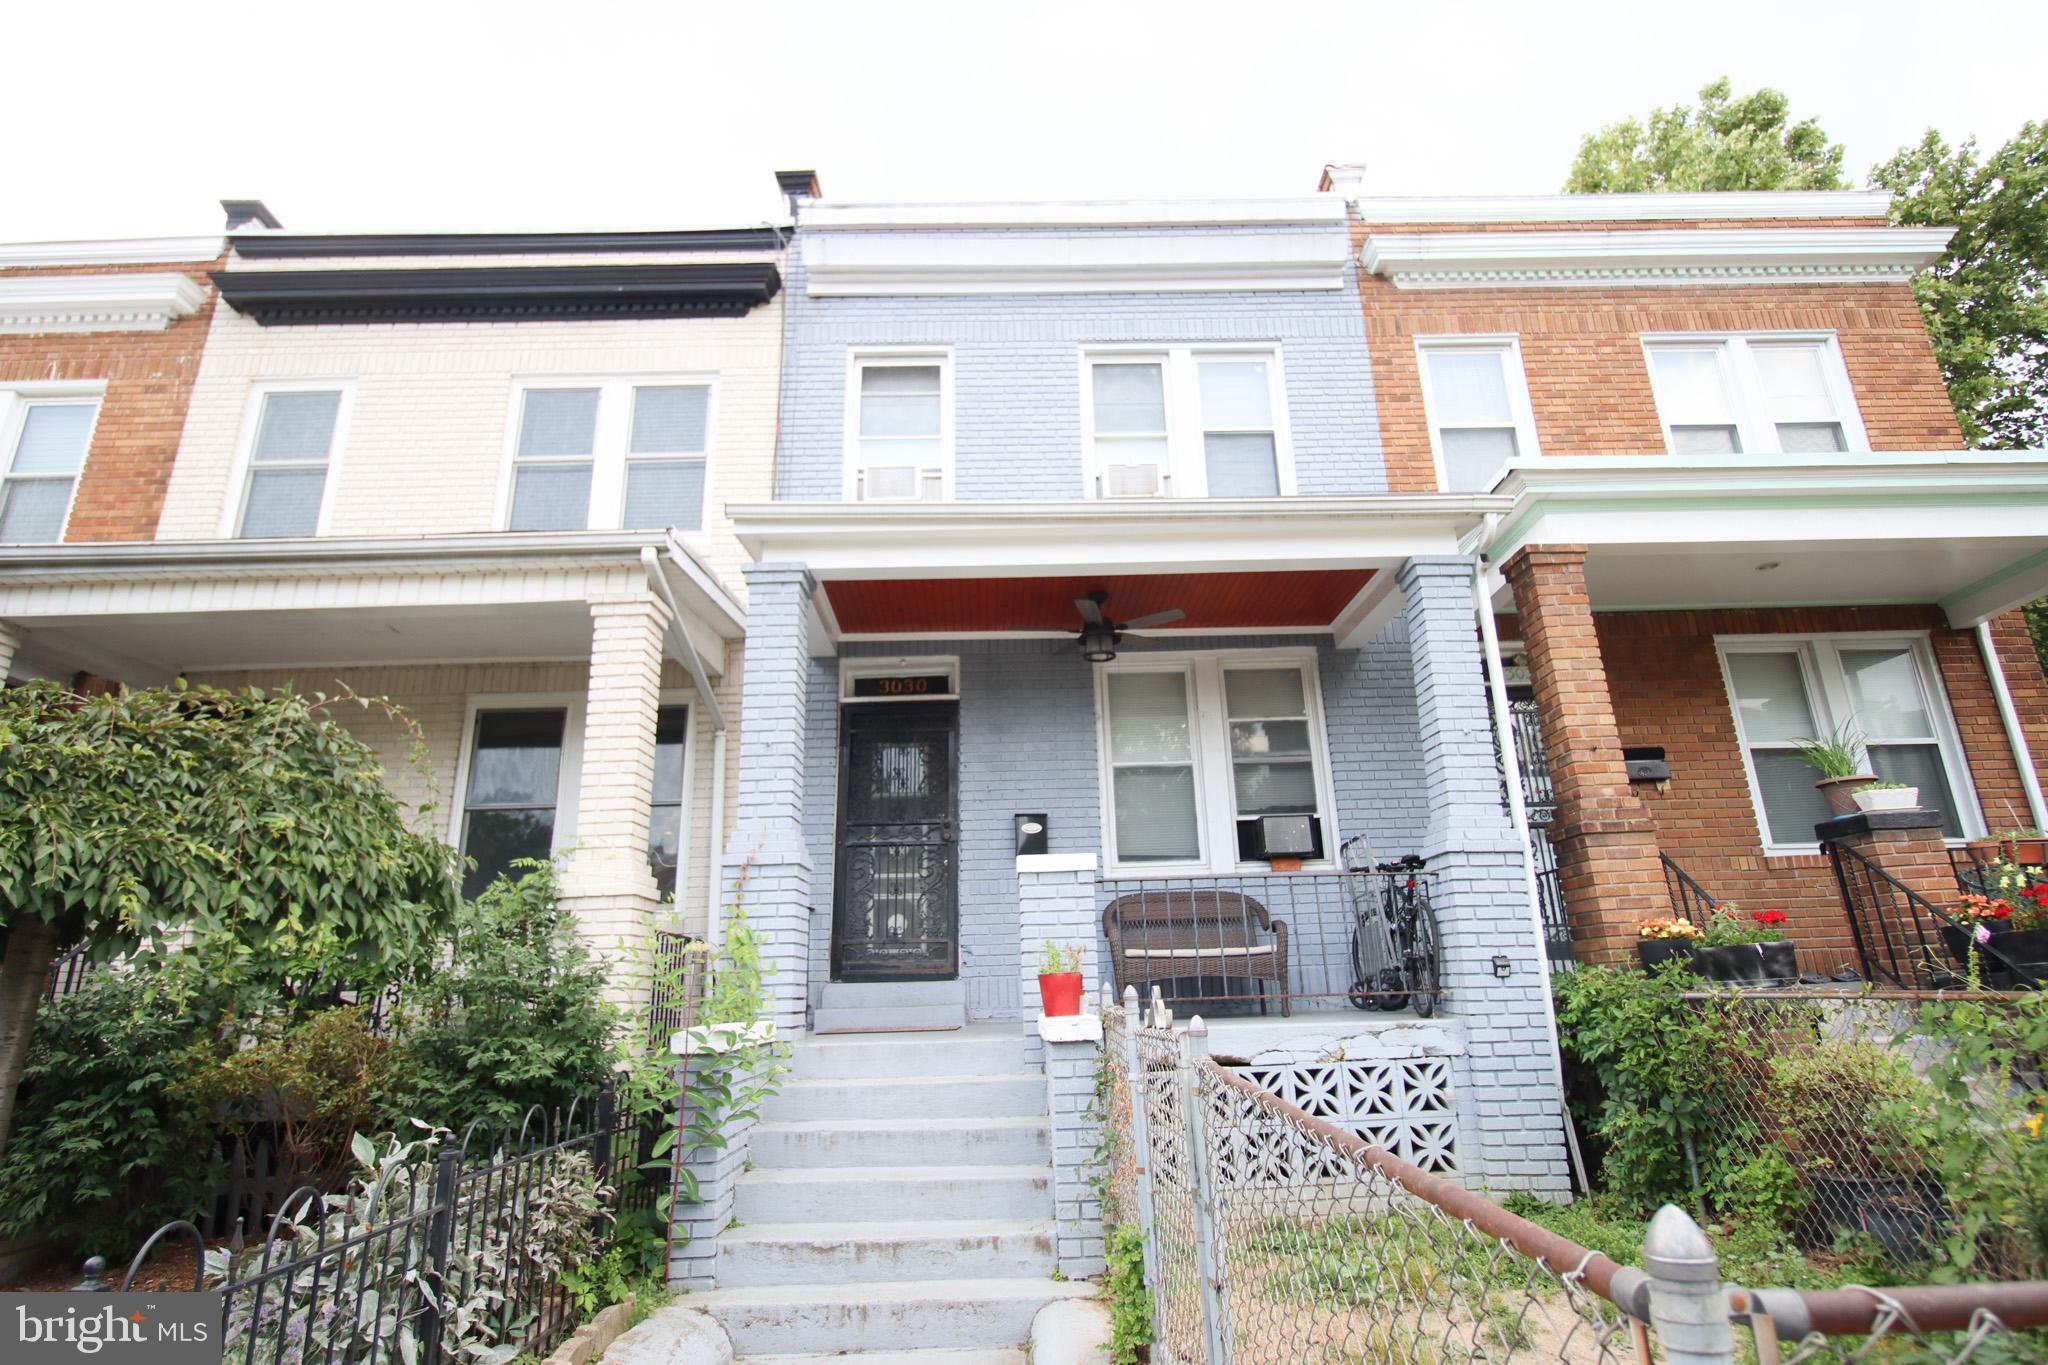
(134, 120)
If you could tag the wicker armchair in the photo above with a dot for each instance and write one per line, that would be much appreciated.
(1165, 935)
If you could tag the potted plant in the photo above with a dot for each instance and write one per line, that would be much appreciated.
(1659, 941)
(1059, 977)
(1839, 761)
(2024, 847)
(2013, 923)
(1745, 949)
(1886, 796)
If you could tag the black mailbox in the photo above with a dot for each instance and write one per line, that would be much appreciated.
(1032, 834)
(1646, 764)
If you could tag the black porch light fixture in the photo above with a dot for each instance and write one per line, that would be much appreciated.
(1098, 643)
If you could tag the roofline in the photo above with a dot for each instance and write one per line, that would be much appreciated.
(868, 516)
(303, 245)
(1307, 209)
(554, 293)
(112, 251)
(1612, 208)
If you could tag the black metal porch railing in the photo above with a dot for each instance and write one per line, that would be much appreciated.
(1689, 900)
(1276, 943)
(2000, 877)
(67, 972)
(1905, 940)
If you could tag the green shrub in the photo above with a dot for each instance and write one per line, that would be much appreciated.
(104, 1148)
(1764, 1189)
(516, 1018)
(1130, 1303)
(1838, 1107)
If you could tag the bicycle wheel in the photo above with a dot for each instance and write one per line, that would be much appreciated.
(1423, 973)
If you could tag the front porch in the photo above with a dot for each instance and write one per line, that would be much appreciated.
(946, 770)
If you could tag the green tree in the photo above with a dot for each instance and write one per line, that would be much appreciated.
(1723, 144)
(255, 825)
(1986, 310)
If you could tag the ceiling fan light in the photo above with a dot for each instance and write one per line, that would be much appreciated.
(1098, 644)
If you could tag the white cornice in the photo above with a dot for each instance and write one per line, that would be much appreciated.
(1617, 208)
(1674, 256)
(897, 263)
(121, 251)
(97, 303)
(1293, 210)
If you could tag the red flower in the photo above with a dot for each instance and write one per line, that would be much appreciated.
(1768, 916)
(2038, 894)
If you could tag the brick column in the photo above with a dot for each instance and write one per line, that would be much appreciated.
(1056, 901)
(11, 638)
(1609, 872)
(1906, 843)
(1510, 1115)
(767, 849)
(607, 882)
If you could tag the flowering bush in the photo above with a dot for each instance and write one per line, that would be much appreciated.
(2024, 909)
(1728, 927)
(1668, 929)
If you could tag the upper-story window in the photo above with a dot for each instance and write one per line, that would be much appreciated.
(44, 436)
(610, 454)
(902, 428)
(1477, 401)
(292, 440)
(1186, 422)
(1765, 394)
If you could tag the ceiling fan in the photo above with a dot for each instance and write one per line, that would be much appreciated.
(1100, 636)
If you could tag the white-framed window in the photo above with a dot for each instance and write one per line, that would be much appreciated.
(1186, 422)
(291, 441)
(45, 432)
(517, 784)
(1758, 393)
(1196, 747)
(899, 426)
(1476, 399)
(1884, 688)
(608, 454)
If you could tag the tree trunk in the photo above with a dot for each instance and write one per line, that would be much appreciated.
(24, 968)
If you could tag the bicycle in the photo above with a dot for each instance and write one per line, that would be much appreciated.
(1393, 933)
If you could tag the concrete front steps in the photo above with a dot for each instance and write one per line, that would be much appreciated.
(899, 1209)
(890, 1007)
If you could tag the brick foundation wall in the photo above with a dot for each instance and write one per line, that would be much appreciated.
(1666, 682)
(148, 376)
(1589, 385)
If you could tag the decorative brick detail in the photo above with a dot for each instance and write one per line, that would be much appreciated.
(1512, 1115)
(1609, 873)
(148, 377)
(767, 867)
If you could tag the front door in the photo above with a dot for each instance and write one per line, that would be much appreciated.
(895, 895)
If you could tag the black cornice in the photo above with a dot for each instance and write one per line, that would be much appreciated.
(301, 246)
(498, 293)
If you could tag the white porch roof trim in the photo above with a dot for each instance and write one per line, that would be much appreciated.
(1656, 256)
(1031, 539)
(1978, 519)
(902, 263)
(1645, 207)
(140, 302)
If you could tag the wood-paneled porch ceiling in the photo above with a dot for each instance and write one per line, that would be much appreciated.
(1309, 599)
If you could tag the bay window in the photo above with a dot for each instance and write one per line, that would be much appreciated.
(610, 454)
(1196, 748)
(1764, 393)
(1883, 690)
(1187, 422)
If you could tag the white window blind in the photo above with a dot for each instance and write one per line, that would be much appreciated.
(1152, 764)
(1237, 429)
(1692, 393)
(901, 451)
(42, 469)
(1185, 422)
(1760, 394)
(1478, 414)
(555, 460)
(665, 457)
(1131, 438)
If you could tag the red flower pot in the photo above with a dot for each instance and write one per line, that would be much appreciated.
(1060, 992)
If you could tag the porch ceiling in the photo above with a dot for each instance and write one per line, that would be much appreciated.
(1304, 599)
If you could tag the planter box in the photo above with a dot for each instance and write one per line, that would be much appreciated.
(1655, 952)
(2028, 947)
(1840, 792)
(1905, 1215)
(1888, 798)
(1748, 964)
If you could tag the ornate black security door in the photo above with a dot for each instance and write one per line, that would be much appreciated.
(895, 900)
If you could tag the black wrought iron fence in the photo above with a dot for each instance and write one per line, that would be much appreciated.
(68, 971)
(440, 1250)
(1905, 941)
(1364, 939)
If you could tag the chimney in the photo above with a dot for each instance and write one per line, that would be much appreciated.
(798, 186)
(244, 213)
(1346, 178)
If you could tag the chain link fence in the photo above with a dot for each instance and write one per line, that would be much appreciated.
(1271, 1236)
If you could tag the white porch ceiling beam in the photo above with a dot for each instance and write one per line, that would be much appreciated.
(1367, 614)
(2017, 584)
